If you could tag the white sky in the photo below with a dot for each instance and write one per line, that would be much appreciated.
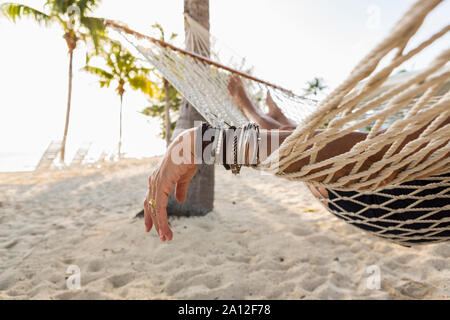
(289, 42)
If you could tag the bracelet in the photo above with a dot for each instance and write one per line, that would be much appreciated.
(217, 148)
(200, 144)
(242, 150)
(245, 139)
(235, 166)
(224, 143)
(254, 133)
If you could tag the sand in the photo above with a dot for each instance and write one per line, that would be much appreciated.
(266, 239)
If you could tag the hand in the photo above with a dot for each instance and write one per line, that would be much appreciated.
(177, 168)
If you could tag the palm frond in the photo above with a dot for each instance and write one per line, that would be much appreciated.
(102, 74)
(87, 5)
(15, 11)
(59, 7)
(62, 6)
(140, 82)
(160, 29)
(96, 27)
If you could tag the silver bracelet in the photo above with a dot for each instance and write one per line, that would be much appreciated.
(218, 148)
(243, 138)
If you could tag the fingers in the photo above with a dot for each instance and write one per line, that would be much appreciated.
(147, 217)
(149, 210)
(162, 197)
(183, 185)
(153, 214)
(181, 192)
(155, 207)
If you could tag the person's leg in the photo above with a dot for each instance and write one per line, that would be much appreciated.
(240, 97)
(276, 113)
(275, 119)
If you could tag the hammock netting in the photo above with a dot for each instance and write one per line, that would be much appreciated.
(368, 100)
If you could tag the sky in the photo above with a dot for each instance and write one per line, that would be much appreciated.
(288, 42)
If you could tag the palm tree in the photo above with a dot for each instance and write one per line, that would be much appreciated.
(200, 197)
(315, 86)
(122, 68)
(71, 16)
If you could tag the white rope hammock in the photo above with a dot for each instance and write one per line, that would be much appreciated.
(421, 100)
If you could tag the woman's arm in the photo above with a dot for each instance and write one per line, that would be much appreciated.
(178, 167)
(343, 145)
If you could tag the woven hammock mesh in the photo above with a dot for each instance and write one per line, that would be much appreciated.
(403, 184)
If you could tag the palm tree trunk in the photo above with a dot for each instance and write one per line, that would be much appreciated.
(69, 100)
(167, 112)
(120, 127)
(200, 197)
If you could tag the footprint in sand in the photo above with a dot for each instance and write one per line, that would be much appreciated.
(95, 265)
(406, 259)
(331, 293)
(239, 258)
(443, 250)
(301, 232)
(6, 283)
(121, 280)
(415, 290)
(322, 239)
(215, 261)
(11, 244)
(68, 261)
(186, 280)
(341, 280)
(312, 283)
(207, 227)
(210, 281)
(438, 264)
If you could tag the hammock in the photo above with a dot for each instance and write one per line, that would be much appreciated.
(363, 100)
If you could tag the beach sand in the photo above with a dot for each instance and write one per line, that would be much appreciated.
(267, 238)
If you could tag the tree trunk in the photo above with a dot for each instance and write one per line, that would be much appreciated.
(120, 127)
(167, 111)
(69, 100)
(200, 197)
